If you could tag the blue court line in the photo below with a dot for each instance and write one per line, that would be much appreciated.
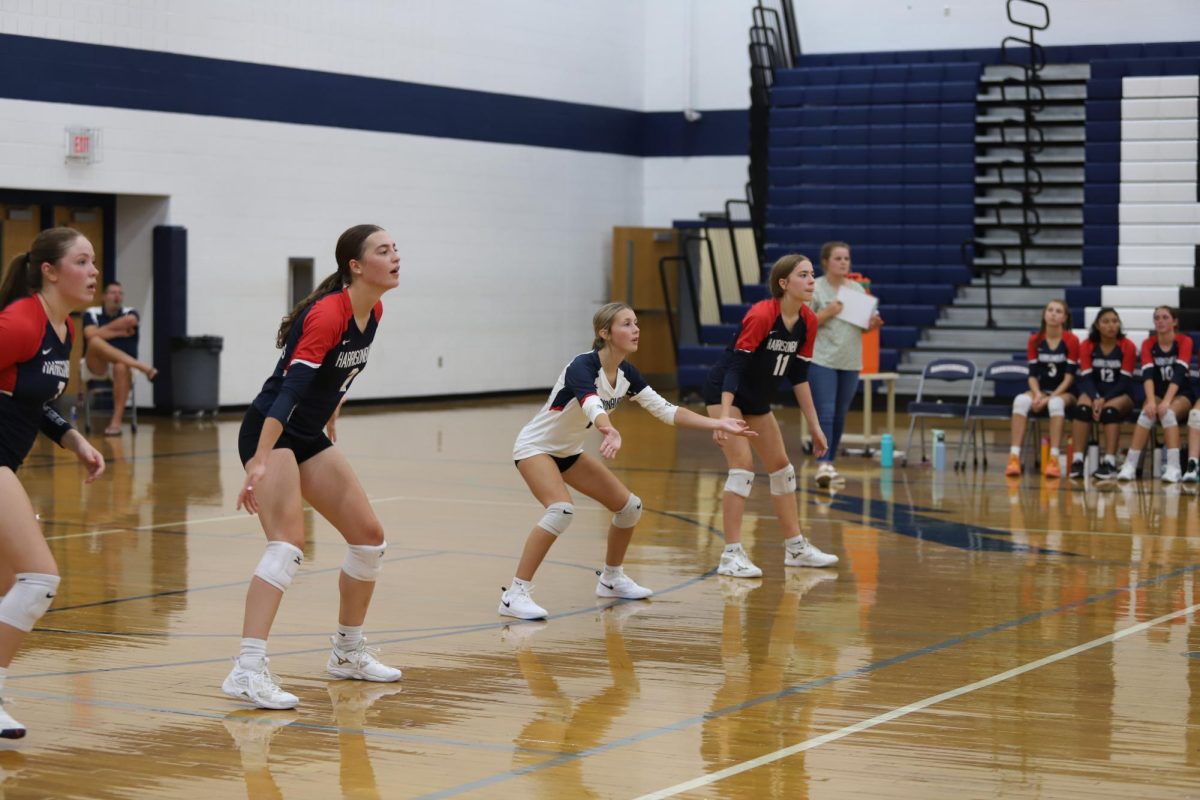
(440, 633)
(898, 518)
(790, 691)
(243, 582)
(374, 733)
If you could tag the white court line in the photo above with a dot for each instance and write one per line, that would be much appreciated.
(242, 515)
(888, 716)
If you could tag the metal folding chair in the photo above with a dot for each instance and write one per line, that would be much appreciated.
(104, 388)
(1009, 378)
(940, 372)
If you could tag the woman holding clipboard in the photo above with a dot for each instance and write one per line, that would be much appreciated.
(837, 356)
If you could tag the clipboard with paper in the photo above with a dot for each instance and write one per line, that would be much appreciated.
(857, 307)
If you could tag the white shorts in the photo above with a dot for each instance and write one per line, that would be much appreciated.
(87, 375)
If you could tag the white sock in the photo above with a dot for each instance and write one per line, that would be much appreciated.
(348, 636)
(798, 539)
(1078, 459)
(733, 548)
(1173, 458)
(252, 653)
(517, 582)
(1110, 459)
(1054, 452)
(1133, 456)
(611, 572)
(1014, 451)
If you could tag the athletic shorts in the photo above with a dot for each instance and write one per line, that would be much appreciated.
(749, 406)
(564, 463)
(303, 447)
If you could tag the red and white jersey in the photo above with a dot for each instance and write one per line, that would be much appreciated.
(1167, 366)
(324, 352)
(582, 393)
(1051, 364)
(35, 366)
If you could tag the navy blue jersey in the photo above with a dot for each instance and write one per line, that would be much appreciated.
(1050, 365)
(1166, 367)
(765, 350)
(324, 352)
(1106, 375)
(126, 344)
(35, 366)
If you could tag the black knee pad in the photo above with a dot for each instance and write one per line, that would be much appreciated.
(1111, 416)
(1082, 413)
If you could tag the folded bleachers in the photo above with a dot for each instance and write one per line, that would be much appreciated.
(1141, 215)
(880, 156)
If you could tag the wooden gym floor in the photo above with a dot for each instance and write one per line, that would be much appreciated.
(980, 637)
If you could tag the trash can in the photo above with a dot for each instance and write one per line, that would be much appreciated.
(196, 372)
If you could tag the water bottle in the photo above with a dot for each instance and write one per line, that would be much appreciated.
(886, 450)
(1093, 458)
(939, 450)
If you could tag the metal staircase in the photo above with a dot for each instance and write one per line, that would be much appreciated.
(1028, 243)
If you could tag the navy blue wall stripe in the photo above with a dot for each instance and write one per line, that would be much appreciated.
(53, 71)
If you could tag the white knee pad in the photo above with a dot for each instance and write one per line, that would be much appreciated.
(279, 564)
(557, 518)
(739, 482)
(364, 561)
(28, 599)
(1194, 419)
(1169, 420)
(1021, 405)
(1144, 421)
(629, 515)
(1056, 407)
(783, 481)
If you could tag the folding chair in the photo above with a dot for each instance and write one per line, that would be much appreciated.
(103, 388)
(1009, 378)
(946, 371)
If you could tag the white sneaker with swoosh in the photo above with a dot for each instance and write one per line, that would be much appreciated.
(621, 585)
(516, 602)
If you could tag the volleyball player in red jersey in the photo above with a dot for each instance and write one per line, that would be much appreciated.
(289, 460)
(1053, 353)
(1166, 359)
(775, 340)
(37, 294)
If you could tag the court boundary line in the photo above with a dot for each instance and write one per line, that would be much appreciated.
(865, 669)
(911, 708)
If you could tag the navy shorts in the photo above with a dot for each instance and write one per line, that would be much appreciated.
(304, 447)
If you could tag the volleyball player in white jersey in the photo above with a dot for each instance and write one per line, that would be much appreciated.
(549, 455)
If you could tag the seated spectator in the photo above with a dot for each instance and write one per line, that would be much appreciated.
(1053, 358)
(110, 342)
(1106, 364)
(1166, 358)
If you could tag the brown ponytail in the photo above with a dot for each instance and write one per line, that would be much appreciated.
(349, 248)
(24, 274)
